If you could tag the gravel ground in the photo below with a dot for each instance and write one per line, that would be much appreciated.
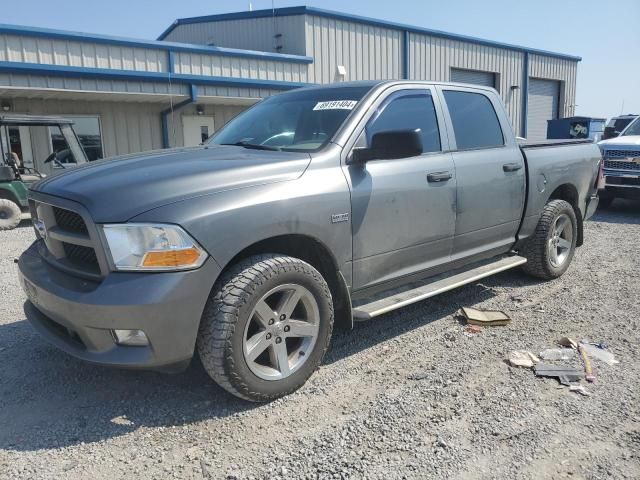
(407, 395)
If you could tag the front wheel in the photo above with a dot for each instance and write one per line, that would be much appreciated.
(266, 327)
(10, 214)
(550, 249)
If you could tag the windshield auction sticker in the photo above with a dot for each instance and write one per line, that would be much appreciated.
(336, 105)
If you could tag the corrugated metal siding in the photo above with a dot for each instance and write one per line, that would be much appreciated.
(544, 98)
(90, 85)
(211, 65)
(559, 69)
(126, 127)
(367, 52)
(432, 58)
(250, 34)
(15, 48)
(235, 92)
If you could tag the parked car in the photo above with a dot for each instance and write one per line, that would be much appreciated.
(622, 164)
(334, 202)
(616, 125)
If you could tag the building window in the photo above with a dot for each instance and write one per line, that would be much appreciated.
(475, 123)
(89, 133)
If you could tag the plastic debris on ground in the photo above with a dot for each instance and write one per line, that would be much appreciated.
(564, 374)
(599, 353)
(488, 318)
(557, 354)
(522, 358)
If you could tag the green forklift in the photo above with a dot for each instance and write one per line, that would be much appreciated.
(56, 135)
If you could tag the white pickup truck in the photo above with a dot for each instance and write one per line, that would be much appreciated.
(621, 165)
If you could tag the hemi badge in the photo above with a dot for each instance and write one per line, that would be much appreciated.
(339, 217)
(633, 159)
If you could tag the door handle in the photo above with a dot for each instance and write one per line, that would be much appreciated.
(511, 167)
(438, 177)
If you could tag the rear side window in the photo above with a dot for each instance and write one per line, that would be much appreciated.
(475, 123)
(408, 111)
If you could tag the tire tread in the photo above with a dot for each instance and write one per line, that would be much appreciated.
(234, 289)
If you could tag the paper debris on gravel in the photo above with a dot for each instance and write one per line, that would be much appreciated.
(579, 389)
(568, 342)
(522, 358)
(489, 318)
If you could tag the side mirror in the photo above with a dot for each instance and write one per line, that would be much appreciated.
(390, 145)
(610, 132)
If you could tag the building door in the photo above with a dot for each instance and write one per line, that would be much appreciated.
(197, 128)
(543, 101)
(473, 77)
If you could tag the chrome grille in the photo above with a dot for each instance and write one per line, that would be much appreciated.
(83, 257)
(618, 165)
(621, 153)
(69, 221)
(70, 240)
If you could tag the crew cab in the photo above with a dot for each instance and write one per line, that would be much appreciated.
(329, 203)
(622, 165)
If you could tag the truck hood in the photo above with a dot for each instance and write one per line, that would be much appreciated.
(118, 189)
(630, 140)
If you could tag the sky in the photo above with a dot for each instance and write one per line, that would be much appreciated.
(605, 34)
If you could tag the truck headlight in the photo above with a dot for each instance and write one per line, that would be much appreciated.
(155, 247)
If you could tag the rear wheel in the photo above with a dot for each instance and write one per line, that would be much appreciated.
(266, 327)
(550, 249)
(10, 214)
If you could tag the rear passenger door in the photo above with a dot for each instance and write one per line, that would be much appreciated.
(490, 172)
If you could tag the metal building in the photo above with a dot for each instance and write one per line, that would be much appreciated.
(133, 95)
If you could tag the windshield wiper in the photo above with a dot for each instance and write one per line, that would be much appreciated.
(253, 146)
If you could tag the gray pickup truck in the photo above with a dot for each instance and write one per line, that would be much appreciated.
(335, 202)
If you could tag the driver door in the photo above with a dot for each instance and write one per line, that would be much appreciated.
(403, 210)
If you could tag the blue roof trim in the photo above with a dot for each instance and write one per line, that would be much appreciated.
(110, 74)
(302, 10)
(137, 43)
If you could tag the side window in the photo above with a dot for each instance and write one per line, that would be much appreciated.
(475, 123)
(408, 111)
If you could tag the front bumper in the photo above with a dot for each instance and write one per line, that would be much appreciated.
(77, 315)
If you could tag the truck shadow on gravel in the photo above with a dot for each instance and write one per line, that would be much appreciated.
(51, 400)
(620, 211)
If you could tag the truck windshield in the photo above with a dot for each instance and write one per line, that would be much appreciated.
(303, 120)
(633, 128)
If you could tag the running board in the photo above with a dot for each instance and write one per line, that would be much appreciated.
(435, 286)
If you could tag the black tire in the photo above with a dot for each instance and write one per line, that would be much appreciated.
(605, 200)
(536, 249)
(10, 214)
(227, 312)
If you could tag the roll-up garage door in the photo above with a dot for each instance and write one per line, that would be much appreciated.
(543, 105)
(474, 77)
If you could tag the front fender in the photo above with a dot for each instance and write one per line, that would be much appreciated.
(226, 223)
